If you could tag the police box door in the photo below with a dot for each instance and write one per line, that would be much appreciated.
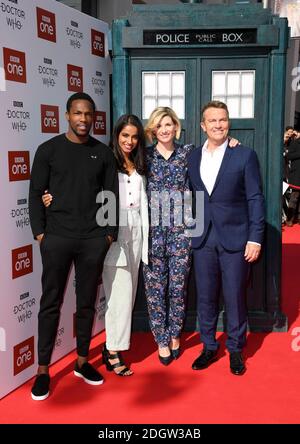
(165, 82)
(243, 85)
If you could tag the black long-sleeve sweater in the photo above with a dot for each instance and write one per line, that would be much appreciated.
(74, 174)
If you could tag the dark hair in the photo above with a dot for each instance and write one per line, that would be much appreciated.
(289, 128)
(214, 104)
(80, 96)
(137, 156)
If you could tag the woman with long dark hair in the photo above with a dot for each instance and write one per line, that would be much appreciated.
(121, 266)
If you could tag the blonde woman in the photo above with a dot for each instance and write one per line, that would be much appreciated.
(168, 267)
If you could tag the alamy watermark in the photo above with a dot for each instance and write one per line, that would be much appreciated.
(2, 339)
(296, 81)
(167, 209)
(296, 341)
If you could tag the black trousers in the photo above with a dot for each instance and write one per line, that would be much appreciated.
(58, 253)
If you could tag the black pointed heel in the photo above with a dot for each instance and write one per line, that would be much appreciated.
(165, 360)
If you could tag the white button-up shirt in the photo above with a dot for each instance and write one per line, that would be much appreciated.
(210, 164)
(130, 190)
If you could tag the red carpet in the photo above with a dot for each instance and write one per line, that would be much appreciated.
(267, 393)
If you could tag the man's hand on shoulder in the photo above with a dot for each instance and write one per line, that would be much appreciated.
(233, 143)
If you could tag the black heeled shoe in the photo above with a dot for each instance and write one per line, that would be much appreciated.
(175, 352)
(165, 360)
(106, 356)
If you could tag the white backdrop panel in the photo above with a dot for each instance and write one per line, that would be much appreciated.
(47, 52)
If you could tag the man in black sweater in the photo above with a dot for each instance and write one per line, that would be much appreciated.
(74, 167)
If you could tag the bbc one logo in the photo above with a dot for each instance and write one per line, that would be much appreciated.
(99, 123)
(98, 43)
(18, 165)
(23, 355)
(75, 78)
(46, 28)
(14, 65)
(49, 119)
(21, 261)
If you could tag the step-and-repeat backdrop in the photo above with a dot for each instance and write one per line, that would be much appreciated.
(48, 51)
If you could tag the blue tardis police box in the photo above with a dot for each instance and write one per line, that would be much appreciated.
(184, 55)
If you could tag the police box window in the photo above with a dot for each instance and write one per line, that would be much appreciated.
(237, 90)
(163, 88)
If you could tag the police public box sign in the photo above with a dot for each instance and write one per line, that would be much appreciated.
(200, 36)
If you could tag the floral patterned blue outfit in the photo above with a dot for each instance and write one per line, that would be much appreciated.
(167, 272)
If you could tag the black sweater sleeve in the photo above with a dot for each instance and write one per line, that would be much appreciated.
(39, 182)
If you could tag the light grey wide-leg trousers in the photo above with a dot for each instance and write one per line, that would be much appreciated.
(120, 285)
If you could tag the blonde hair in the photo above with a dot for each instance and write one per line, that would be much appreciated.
(156, 116)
